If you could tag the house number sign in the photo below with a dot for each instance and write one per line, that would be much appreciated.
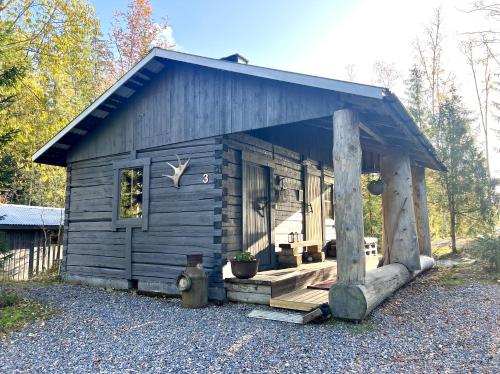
(205, 178)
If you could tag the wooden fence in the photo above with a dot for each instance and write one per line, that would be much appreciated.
(26, 261)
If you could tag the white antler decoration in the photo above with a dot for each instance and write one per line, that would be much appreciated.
(177, 171)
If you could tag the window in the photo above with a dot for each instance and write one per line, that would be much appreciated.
(131, 193)
(328, 201)
(131, 187)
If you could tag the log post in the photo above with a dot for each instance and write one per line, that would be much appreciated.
(355, 302)
(348, 198)
(400, 230)
(421, 211)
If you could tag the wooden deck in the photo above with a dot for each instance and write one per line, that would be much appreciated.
(304, 300)
(274, 283)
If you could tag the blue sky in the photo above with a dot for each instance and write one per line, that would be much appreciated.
(318, 37)
(270, 33)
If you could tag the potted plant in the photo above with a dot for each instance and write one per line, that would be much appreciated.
(376, 187)
(244, 265)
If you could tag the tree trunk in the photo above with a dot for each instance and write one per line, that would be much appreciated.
(453, 223)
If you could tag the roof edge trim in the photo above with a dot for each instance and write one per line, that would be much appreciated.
(152, 54)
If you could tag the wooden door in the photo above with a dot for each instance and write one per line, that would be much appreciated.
(257, 213)
(313, 213)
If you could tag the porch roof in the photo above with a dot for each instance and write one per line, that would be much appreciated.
(385, 121)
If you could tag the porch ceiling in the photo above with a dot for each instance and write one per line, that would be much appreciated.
(378, 135)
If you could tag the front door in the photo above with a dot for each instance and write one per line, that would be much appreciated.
(257, 213)
(313, 214)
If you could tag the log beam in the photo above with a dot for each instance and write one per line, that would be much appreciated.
(400, 230)
(348, 198)
(421, 210)
(355, 302)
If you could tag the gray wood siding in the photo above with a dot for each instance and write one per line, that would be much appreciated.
(181, 221)
(190, 102)
(288, 212)
(93, 247)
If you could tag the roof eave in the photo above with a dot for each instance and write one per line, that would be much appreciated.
(152, 54)
(406, 120)
(348, 88)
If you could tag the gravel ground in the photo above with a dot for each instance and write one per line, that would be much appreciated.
(423, 328)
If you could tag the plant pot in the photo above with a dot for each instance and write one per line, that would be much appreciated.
(244, 269)
(376, 187)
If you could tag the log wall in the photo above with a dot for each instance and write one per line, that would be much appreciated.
(288, 208)
(181, 221)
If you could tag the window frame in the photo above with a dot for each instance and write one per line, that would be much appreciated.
(330, 194)
(143, 222)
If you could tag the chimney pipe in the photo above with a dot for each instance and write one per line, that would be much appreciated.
(236, 57)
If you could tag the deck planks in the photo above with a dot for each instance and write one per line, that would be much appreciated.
(303, 300)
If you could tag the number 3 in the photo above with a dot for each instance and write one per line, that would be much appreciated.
(205, 178)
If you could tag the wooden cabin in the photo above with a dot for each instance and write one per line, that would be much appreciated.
(259, 143)
(32, 237)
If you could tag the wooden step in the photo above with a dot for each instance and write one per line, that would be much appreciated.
(304, 300)
(273, 283)
(303, 278)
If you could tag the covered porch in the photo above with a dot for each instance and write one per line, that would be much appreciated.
(352, 141)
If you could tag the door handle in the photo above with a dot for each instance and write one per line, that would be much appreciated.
(261, 205)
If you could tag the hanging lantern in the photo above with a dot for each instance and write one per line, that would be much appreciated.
(297, 237)
(376, 187)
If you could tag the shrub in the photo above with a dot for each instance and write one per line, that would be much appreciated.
(8, 298)
(244, 257)
(488, 248)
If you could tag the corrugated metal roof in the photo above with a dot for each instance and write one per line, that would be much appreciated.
(34, 216)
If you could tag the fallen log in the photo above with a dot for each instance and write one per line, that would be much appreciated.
(355, 302)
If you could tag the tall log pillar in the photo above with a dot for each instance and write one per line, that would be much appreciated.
(400, 230)
(421, 211)
(356, 292)
(348, 198)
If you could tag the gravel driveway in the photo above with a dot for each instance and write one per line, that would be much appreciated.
(423, 328)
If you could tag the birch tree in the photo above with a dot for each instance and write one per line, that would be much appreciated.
(429, 51)
(480, 59)
(57, 38)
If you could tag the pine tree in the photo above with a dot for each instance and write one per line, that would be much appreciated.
(415, 97)
(466, 183)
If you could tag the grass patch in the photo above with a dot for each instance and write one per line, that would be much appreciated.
(16, 312)
(442, 252)
(21, 314)
(48, 278)
(442, 249)
(357, 328)
(465, 274)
